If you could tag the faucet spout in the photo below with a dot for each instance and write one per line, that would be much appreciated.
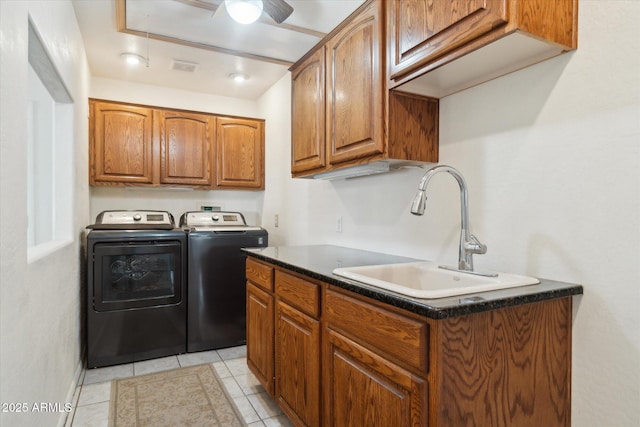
(469, 244)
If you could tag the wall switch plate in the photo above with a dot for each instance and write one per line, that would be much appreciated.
(276, 221)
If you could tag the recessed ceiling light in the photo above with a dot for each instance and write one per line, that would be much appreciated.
(238, 77)
(132, 58)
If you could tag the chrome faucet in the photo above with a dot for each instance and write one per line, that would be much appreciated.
(469, 244)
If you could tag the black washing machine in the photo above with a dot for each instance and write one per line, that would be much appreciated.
(136, 296)
(216, 277)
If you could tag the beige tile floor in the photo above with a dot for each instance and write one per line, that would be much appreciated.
(91, 400)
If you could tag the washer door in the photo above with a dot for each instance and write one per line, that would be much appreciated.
(137, 275)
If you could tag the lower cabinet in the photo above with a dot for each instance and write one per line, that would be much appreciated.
(308, 359)
(260, 340)
(334, 358)
(260, 323)
(298, 365)
(361, 388)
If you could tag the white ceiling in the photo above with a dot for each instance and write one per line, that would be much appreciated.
(201, 23)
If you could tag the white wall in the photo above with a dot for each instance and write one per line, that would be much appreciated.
(39, 302)
(550, 154)
(552, 159)
(177, 202)
(157, 96)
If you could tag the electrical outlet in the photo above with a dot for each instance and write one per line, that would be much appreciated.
(339, 224)
(276, 220)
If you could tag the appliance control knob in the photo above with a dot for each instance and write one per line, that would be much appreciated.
(137, 217)
(215, 218)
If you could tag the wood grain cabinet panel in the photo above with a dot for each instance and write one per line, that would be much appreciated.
(308, 114)
(355, 88)
(260, 274)
(516, 360)
(342, 113)
(393, 334)
(360, 362)
(240, 153)
(186, 148)
(362, 388)
(437, 48)
(260, 336)
(155, 147)
(301, 294)
(121, 144)
(298, 365)
(425, 29)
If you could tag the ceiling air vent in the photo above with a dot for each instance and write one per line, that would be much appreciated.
(189, 67)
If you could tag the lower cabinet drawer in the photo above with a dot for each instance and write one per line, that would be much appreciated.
(298, 292)
(260, 274)
(399, 336)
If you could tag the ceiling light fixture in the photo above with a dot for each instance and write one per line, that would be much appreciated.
(244, 11)
(238, 77)
(132, 58)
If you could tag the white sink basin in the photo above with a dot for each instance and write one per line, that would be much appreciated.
(425, 280)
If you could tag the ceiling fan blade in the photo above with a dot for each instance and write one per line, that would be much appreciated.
(207, 5)
(278, 10)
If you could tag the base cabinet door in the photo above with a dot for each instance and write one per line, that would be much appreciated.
(260, 334)
(298, 365)
(362, 388)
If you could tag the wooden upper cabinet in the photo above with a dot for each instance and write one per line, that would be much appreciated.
(436, 48)
(425, 29)
(307, 113)
(240, 153)
(355, 89)
(186, 148)
(149, 146)
(342, 113)
(121, 145)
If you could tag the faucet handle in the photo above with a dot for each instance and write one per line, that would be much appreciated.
(474, 246)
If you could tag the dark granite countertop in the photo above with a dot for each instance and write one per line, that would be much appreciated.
(319, 261)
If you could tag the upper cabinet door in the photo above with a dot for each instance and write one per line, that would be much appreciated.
(186, 148)
(121, 144)
(240, 153)
(422, 30)
(355, 88)
(307, 114)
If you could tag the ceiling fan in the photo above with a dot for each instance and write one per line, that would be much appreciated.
(248, 11)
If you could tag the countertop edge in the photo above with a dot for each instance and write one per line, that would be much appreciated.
(421, 306)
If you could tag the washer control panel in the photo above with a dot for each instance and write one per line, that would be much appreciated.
(217, 221)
